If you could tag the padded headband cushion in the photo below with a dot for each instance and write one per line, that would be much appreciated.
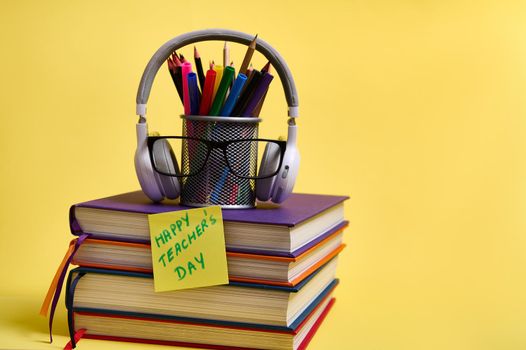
(166, 50)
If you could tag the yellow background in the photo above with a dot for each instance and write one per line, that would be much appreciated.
(414, 108)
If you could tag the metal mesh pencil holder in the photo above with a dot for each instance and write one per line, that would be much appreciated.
(215, 183)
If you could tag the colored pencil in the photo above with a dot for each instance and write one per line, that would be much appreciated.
(249, 75)
(175, 58)
(228, 76)
(233, 194)
(257, 94)
(232, 83)
(266, 68)
(208, 91)
(199, 68)
(257, 110)
(185, 70)
(248, 56)
(226, 54)
(219, 74)
(219, 185)
(234, 95)
(247, 92)
(175, 73)
(179, 76)
(177, 61)
(193, 91)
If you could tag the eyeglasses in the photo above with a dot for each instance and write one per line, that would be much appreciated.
(195, 152)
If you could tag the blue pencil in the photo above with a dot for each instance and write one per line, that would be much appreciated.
(219, 185)
(195, 95)
(234, 95)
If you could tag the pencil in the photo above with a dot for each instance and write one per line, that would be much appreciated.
(232, 83)
(175, 57)
(175, 73)
(219, 74)
(257, 110)
(266, 68)
(185, 70)
(208, 91)
(257, 94)
(246, 94)
(248, 56)
(219, 185)
(249, 75)
(193, 91)
(233, 194)
(176, 60)
(199, 68)
(233, 95)
(228, 76)
(226, 54)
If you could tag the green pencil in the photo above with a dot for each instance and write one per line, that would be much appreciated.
(226, 80)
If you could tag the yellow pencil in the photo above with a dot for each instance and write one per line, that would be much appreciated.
(219, 74)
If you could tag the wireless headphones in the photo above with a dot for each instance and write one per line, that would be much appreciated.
(157, 186)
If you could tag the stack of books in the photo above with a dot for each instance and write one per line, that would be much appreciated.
(281, 265)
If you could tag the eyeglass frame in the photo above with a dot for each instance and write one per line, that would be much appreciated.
(210, 145)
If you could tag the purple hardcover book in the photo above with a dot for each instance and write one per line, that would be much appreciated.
(297, 209)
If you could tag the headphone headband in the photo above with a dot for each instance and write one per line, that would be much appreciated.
(176, 43)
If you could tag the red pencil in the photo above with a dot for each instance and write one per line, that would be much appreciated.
(174, 56)
(266, 67)
(176, 61)
(208, 92)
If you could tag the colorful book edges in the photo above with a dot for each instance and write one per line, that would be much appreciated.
(155, 329)
(242, 267)
(92, 325)
(299, 223)
(235, 304)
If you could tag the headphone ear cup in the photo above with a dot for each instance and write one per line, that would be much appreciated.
(146, 174)
(166, 161)
(269, 163)
(285, 179)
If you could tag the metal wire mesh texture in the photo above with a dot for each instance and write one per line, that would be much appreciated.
(215, 184)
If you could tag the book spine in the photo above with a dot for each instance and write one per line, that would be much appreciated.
(69, 295)
(74, 226)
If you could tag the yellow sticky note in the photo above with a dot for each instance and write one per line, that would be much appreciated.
(188, 249)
